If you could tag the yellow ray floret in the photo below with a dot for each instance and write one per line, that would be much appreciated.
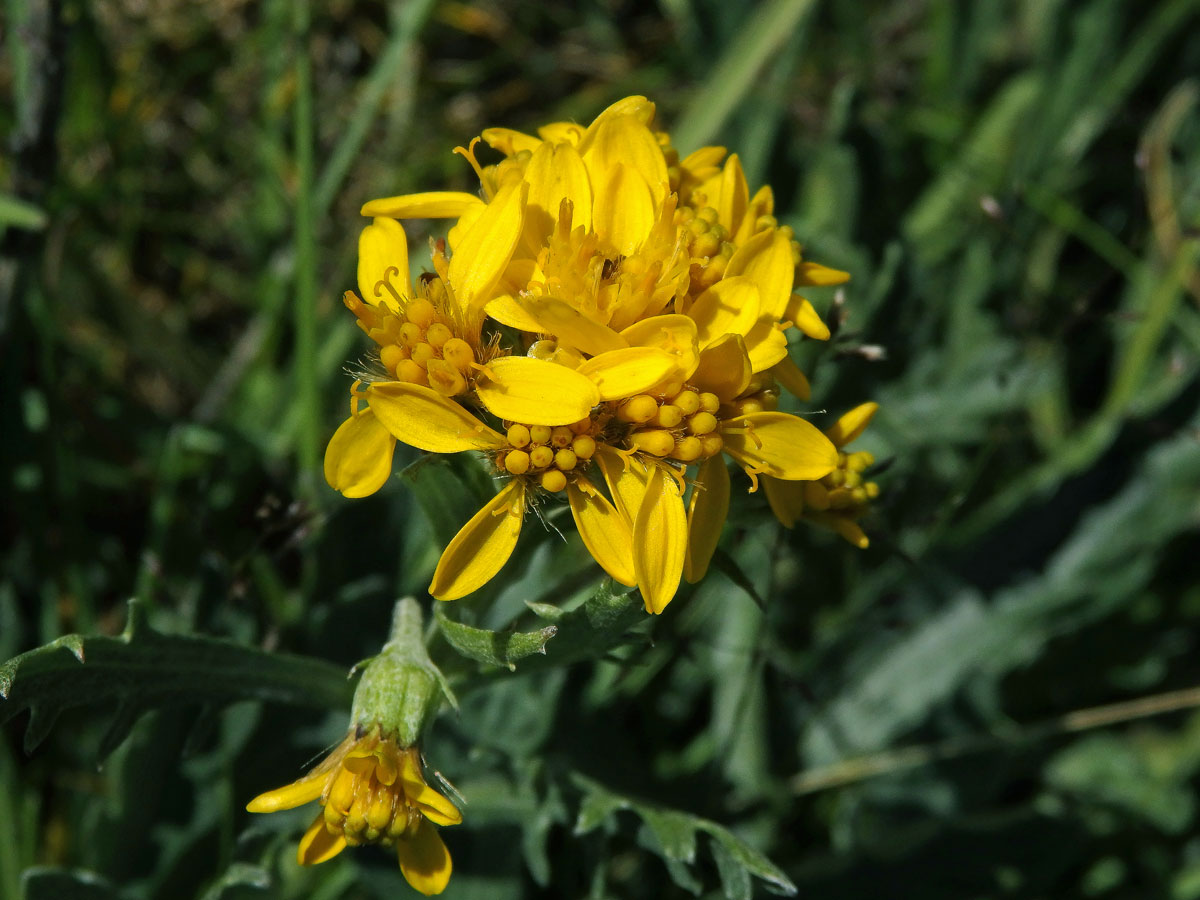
(482, 546)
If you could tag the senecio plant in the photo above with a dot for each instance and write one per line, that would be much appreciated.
(606, 323)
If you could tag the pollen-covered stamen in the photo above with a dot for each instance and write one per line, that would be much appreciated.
(706, 243)
(549, 454)
(681, 424)
(843, 490)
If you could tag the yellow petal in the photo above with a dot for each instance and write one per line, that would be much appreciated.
(569, 325)
(788, 374)
(735, 195)
(482, 546)
(562, 133)
(432, 805)
(506, 310)
(556, 173)
(625, 141)
(626, 478)
(723, 367)
(629, 371)
(623, 211)
(806, 318)
(510, 142)
(703, 162)
(605, 531)
(318, 845)
(636, 106)
(779, 444)
(706, 516)
(815, 273)
(460, 228)
(381, 246)
(849, 530)
(358, 459)
(484, 250)
(535, 392)
(674, 333)
(766, 345)
(766, 259)
(430, 205)
(290, 796)
(851, 424)
(423, 418)
(763, 202)
(660, 536)
(728, 307)
(786, 499)
(424, 860)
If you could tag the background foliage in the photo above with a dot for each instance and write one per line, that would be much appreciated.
(1015, 187)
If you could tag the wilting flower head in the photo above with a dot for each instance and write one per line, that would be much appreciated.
(644, 301)
(370, 788)
(372, 792)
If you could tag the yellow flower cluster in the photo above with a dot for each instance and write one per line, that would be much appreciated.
(371, 791)
(610, 323)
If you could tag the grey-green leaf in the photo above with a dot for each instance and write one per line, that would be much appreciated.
(495, 648)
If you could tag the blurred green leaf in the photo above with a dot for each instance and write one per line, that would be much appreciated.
(18, 213)
(241, 881)
(52, 883)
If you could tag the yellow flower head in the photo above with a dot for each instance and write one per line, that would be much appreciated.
(371, 792)
(646, 301)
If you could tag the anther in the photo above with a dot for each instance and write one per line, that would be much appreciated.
(420, 312)
(702, 423)
(688, 449)
(638, 409)
(583, 446)
(517, 462)
(518, 435)
(668, 416)
(438, 334)
(458, 353)
(654, 441)
(554, 481)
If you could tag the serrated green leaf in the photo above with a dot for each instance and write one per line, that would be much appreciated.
(598, 625)
(748, 858)
(675, 832)
(496, 648)
(735, 878)
(143, 669)
(672, 834)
